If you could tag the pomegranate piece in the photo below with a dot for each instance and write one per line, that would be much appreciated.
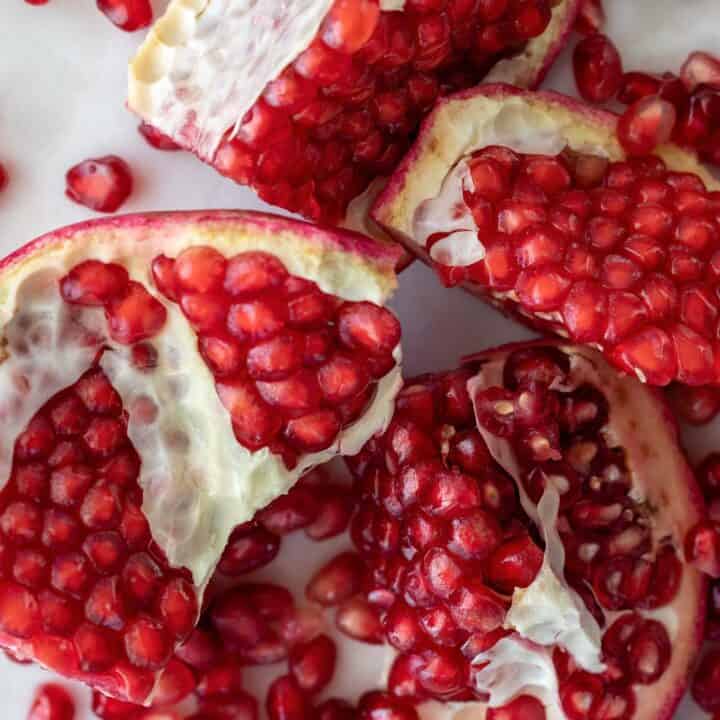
(700, 68)
(128, 15)
(454, 583)
(618, 255)
(52, 702)
(335, 115)
(598, 68)
(101, 184)
(103, 570)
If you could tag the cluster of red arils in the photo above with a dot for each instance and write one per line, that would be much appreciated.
(704, 543)
(684, 108)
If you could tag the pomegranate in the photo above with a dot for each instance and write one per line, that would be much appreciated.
(199, 364)
(621, 254)
(311, 101)
(517, 518)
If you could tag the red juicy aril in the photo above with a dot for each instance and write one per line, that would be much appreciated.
(123, 474)
(619, 253)
(693, 98)
(349, 84)
(453, 552)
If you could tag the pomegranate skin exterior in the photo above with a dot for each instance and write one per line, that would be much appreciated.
(577, 283)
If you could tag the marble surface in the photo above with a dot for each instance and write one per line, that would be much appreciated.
(62, 91)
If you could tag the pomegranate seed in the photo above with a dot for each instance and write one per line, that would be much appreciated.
(128, 15)
(514, 564)
(359, 620)
(312, 664)
(248, 549)
(109, 708)
(700, 68)
(286, 701)
(525, 707)
(706, 683)
(476, 608)
(135, 316)
(289, 512)
(702, 548)
(350, 24)
(101, 184)
(52, 702)
(647, 123)
(591, 17)
(335, 710)
(380, 706)
(649, 652)
(337, 581)
(598, 68)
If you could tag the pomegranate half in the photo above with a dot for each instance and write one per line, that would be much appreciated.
(163, 377)
(528, 200)
(523, 521)
(309, 101)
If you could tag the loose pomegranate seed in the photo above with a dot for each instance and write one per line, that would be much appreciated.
(286, 701)
(312, 664)
(337, 581)
(128, 15)
(52, 702)
(646, 124)
(358, 619)
(598, 68)
(101, 184)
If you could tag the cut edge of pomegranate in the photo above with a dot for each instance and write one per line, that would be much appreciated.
(628, 401)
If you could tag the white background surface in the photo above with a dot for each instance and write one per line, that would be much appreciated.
(62, 91)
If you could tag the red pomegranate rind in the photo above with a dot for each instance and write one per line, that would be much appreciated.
(345, 106)
(645, 303)
(103, 565)
(656, 469)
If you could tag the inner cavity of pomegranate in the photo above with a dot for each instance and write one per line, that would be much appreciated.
(342, 104)
(624, 255)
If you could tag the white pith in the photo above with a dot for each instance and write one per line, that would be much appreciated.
(206, 62)
(198, 481)
(636, 423)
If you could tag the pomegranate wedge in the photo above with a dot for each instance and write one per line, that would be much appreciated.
(163, 377)
(527, 199)
(524, 533)
(309, 101)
